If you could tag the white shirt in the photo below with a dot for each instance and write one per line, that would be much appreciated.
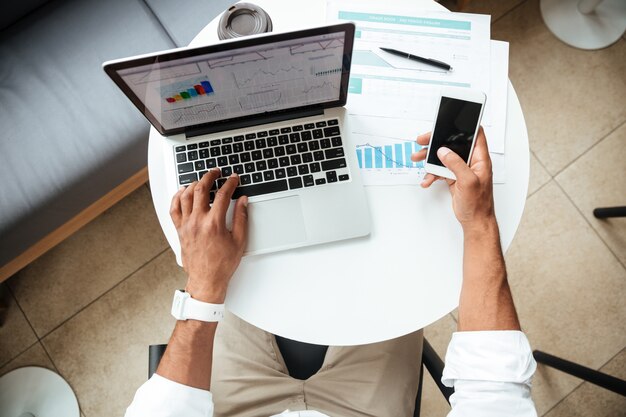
(490, 372)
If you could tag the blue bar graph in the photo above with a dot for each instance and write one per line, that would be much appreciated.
(379, 157)
(208, 88)
(408, 148)
(398, 157)
(416, 148)
(419, 164)
(368, 157)
(388, 156)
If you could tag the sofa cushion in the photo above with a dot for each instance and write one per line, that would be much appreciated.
(184, 23)
(12, 11)
(68, 135)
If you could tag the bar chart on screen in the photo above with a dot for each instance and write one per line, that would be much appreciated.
(389, 162)
(186, 90)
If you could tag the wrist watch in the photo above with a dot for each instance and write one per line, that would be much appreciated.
(184, 308)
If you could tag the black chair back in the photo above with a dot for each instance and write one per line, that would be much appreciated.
(303, 360)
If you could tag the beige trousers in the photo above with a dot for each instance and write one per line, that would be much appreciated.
(250, 377)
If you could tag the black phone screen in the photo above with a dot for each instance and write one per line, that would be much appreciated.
(454, 128)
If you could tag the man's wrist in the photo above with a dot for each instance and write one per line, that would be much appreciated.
(207, 293)
(481, 229)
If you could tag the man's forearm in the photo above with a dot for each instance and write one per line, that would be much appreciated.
(189, 354)
(486, 302)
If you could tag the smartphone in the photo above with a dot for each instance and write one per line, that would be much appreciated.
(456, 126)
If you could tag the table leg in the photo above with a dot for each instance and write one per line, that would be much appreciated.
(588, 6)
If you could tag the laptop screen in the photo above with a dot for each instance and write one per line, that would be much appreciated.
(235, 80)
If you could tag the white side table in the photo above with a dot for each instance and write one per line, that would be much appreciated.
(32, 391)
(585, 24)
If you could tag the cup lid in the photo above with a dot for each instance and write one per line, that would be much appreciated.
(243, 19)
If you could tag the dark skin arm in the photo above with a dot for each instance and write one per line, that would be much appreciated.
(211, 253)
(486, 302)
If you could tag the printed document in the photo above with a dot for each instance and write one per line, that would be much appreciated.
(393, 99)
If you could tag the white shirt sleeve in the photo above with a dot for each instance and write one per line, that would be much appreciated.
(160, 397)
(491, 374)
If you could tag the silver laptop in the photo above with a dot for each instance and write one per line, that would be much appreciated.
(269, 108)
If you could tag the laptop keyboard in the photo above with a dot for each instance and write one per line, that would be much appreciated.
(269, 161)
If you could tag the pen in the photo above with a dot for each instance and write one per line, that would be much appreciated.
(428, 61)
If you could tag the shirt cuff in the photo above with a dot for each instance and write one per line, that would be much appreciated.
(502, 356)
(161, 397)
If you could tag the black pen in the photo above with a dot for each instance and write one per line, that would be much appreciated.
(428, 61)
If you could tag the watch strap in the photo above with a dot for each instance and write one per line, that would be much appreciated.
(184, 308)
(199, 310)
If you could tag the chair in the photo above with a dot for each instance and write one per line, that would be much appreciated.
(303, 360)
(590, 375)
(605, 212)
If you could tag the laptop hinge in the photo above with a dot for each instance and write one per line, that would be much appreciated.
(251, 121)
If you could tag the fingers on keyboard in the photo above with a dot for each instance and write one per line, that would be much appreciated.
(269, 160)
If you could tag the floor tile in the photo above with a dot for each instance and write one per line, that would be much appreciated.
(33, 356)
(438, 335)
(538, 175)
(589, 400)
(455, 314)
(571, 98)
(103, 350)
(568, 288)
(433, 401)
(496, 8)
(16, 335)
(597, 180)
(90, 262)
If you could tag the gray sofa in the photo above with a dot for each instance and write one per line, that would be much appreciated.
(68, 136)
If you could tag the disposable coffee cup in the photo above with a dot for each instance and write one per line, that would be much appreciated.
(243, 19)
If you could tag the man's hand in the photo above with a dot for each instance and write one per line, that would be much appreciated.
(472, 192)
(486, 302)
(210, 252)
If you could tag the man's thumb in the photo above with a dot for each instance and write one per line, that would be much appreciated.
(240, 220)
(454, 163)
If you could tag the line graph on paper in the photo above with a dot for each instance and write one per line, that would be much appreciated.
(389, 163)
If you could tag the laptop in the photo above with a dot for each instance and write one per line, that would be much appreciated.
(270, 108)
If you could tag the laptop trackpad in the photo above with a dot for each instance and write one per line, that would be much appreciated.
(275, 224)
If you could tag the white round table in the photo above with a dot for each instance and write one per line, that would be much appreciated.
(404, 276)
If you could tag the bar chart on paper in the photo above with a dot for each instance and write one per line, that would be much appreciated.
(389, 163)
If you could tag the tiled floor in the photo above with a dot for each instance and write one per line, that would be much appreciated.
(90, 307)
